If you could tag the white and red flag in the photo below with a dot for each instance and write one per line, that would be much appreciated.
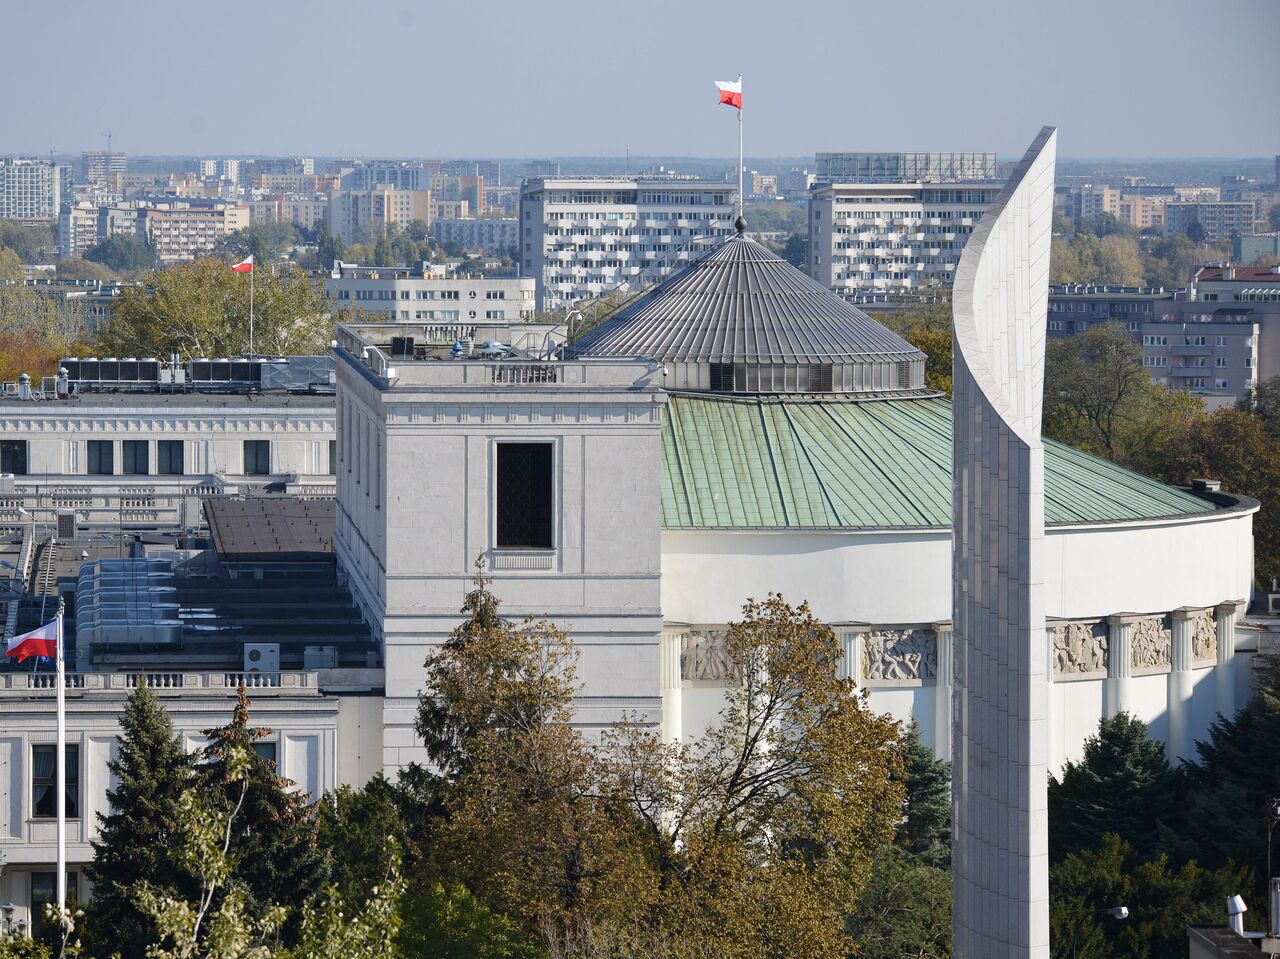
(244, 266)
(39, 642)
(730, 92)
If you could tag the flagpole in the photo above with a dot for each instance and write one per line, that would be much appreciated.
(251, 272)
(742, 203)
(62, 772)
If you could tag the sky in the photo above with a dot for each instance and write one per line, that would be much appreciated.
(528, 78)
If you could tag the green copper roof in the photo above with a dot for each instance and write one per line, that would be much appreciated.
(758, 462)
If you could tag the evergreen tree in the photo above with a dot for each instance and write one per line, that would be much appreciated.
(1238, 773)
(137, 837)
(383, 252)
(274, 840)
(925, 829)
(362, 836)
(1123, 785)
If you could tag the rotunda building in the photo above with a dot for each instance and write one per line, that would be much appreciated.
(802, 454)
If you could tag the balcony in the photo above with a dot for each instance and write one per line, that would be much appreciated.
(1189, 350)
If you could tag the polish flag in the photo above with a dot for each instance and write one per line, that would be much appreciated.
(244, 266)
(38, 642)
(730, 92)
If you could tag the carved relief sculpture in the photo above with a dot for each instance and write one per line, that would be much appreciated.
(1204, 638)
(901, 655)
(1079, 648)
(1152, 643)
(704, 658)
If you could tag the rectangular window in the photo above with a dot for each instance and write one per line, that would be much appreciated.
(44, 890)
(333, 457)
(134, 458)
(257, 457)
(13, 457)
(101, 457)
(525, 491)
(266, 749)
(44, 778)
(820, 376)
(169, 458)
(721, 377)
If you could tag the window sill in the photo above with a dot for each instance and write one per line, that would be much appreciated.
(509, 558)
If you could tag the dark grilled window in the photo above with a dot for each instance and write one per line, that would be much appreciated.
(333, 457)
(257, 457)
(820, 378)
(721, 377)
(13, 457)
(169, 460)
(525, 490)
(135, 457)
(904, 375)
(101, 457)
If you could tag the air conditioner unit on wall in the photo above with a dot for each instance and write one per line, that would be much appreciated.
(1273, 604)
(262, 657)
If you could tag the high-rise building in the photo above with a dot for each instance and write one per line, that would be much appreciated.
(181, 230)
(1221, 220)
(905, 167)
(361, 215)
(468, 187)
(892, 236)
(581, 237)
(30, 189)
(98, 167)
(387, 173)
(77, 229)
(491, 170)
(489, 233)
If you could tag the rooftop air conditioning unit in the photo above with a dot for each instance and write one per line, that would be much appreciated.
(262, 657)
(1273, 604)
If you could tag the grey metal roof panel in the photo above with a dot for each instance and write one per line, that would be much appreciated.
(740, 302)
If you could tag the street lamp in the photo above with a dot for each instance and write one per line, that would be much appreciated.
(1115, 912)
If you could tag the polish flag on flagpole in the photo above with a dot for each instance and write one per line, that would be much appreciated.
(730, 92)
(244, 266)
(38, 642)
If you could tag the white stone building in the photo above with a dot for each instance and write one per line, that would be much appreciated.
(420, 294)
(581, 237)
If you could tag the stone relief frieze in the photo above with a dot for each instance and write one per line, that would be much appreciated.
(704, 658)
(1151, 643)
(900, 655)
(1079, 648)
(1204, 638)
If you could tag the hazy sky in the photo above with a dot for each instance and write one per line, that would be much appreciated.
(505, 78)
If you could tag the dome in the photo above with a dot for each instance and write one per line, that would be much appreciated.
(740, 319)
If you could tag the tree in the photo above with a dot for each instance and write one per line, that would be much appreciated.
(451, 923)
(138, 837)
(905, 910)
(37, 331)
(1263, 402)
(924, 829)
(766, 828)
(1162, 901)
(1122, 785)
(265, 242)
(383, 253)
(1233, 778)
(1195, 232)
(274, 838)
(928, 328)
(123, 253)
(10, 266)
(202, 309)
(74, 268)
(1111, 258)
(31, 241)
(361, 836)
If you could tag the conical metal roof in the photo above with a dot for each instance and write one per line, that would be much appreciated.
(741, 303)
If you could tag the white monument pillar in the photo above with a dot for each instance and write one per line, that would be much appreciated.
(1000, 862)
(1117, 693)
(670, 675)
(1180, 745)
(851, 661)
(942, 692)
(1224, 673)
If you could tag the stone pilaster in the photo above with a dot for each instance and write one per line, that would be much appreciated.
(1117, 692)
(1181, 659)
(851, 646)
(1224, 672)
(942, 698)
(670, 677)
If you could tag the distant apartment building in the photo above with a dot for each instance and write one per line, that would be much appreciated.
(488, 234)
(1141, 212)
(77, 229)
(763, 184)
(469, 188)
(1249, 249)
(795, 183)
(581, 237)
(1219, 220)
(218, 170)
(31, 190)
(385, 173)
(360, 215)
(117, 221)
(306, 212)
(449, 210)
(181, 231)
(98, 168)
(892, 237)
(419, 294)
(489, 170)
(905, 167)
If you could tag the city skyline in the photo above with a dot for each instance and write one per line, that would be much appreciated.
(913, 80)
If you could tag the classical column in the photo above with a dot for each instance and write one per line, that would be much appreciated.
(1180, 684)
(1117, 691)
(851, 646)
(1000, 767)
(942, 692)
(1224, 672)
(669, 682)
